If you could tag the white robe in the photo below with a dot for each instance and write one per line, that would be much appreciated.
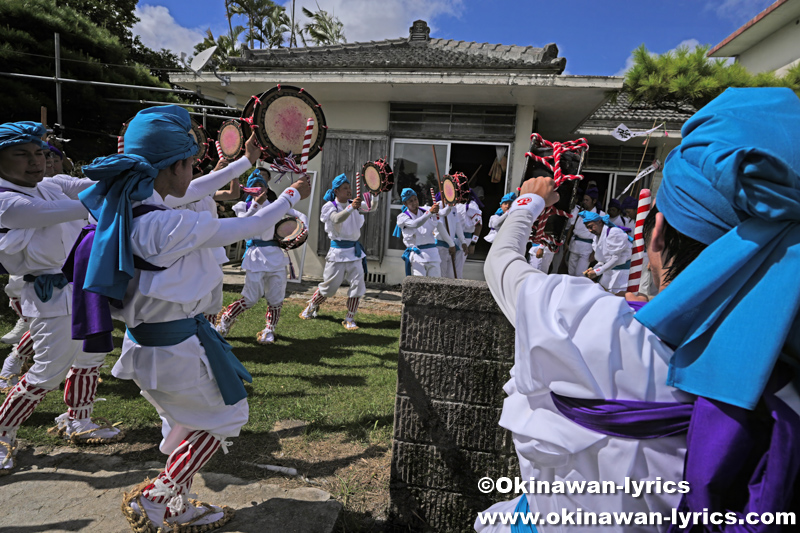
(577, 340)
(612, 249)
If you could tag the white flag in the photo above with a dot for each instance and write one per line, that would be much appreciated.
(623, 133)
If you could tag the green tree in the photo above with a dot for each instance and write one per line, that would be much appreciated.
(270, 29)
(89, 52)
(227, 46)
(254, 11)
(689, 76)
(324, 28)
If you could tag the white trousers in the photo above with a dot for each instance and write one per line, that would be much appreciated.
(55, 352)
(269, 285)
(578, 263)
(445, 262)
(14, 286)
(615, 281)
(431, 270)
(335, 273)
(461, 258)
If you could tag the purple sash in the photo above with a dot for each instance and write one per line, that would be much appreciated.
(91, 313)
(737, 460)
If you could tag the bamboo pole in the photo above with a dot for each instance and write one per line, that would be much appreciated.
(441, 195)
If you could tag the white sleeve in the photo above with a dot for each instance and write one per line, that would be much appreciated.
(18, 211)
(210, 183)
(237, 229)
(327, 210)
(408, 222)
(71, 186)
(616, 243)
(442, 233)
(505, 268)
(341, 216)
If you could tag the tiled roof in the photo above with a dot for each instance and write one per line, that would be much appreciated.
(637, 115)
(417, 51)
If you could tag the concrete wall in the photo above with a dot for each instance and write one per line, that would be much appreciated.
(776, 51)
(456, 350)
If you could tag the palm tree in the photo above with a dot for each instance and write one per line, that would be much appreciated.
(274, 26)
(227, 45)
(324, 28)
(254, 10)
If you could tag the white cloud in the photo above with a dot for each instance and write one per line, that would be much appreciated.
(691, 44)
(364, 21)
(739, 11)
(158, 29)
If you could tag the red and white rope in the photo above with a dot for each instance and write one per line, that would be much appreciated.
(306, 145)
(120, 144)
(637, 259)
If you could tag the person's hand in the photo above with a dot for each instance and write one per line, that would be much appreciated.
(590, 273)
(464, 247)
(544, 187)
(303, 186)
(251, 149)
(435, 208)
(471, 249)
(222, 163)
(539, 252)
(356, 203)
(636, 297)
(262, 196)
(452, 251)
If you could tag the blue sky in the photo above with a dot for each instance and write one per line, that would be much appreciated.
(596, 37)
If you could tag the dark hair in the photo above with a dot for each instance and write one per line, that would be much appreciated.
(678, 248)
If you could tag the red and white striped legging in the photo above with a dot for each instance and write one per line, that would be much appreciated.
(19, 405)
(80, 391)
(273, 315)
(235, 309)
(317, 299)
(182, 465)
(352, 307)
(24, 348)
(15, 305)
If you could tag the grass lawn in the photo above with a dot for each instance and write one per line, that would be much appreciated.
(341, 383)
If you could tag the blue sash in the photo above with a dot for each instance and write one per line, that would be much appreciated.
(259, 242)
(228, 371)
(359, 251)
(442, 244)
(523, 509)
(590, 241)
(416, 250)
(623, 266)
(44, 284)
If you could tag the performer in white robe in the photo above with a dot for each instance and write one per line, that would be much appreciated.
(568, 333)
(471, 222)
(416, 225)
(580, 239)
(496, 220)
(264, 264)
(183, 367)
(452, 222)
(540, 257)
(612, 250)
(40, 222)
(343, 217)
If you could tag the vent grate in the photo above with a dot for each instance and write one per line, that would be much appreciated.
(376, 277)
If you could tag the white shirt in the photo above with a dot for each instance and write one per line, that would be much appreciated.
(43, 227)
(471, 215)
(348, 229)
(452, 222)
(264, 258)
(575, 339)
(418, 230)
(495, 221)
(581, 247)
(208, 205)
(611, 248)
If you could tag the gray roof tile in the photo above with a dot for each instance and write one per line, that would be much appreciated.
(637, 115)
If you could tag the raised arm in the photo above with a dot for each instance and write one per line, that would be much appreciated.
(505, 268)
(71, 186)
(208, 184)
(414, 223)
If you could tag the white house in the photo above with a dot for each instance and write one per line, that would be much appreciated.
(473, 102)
(768, 42)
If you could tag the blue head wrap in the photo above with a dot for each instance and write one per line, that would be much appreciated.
(510, 197)
(15, 133)
(407, 194)
(733, 184)
(591, 216)
(338, 181)
(156, 138)
(254, 180)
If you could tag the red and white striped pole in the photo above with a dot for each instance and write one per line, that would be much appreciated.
(637, 259)
(120, 144)
(306, 145)
(219, 151)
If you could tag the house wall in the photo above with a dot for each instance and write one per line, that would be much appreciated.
(365, 118)
(775, 52)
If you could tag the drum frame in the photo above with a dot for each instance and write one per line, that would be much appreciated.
(297, 239)
(286, 91)
(240, 125)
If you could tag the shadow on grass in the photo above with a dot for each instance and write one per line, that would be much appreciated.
(66, 525)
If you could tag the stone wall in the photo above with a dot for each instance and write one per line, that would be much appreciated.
(456, 350)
